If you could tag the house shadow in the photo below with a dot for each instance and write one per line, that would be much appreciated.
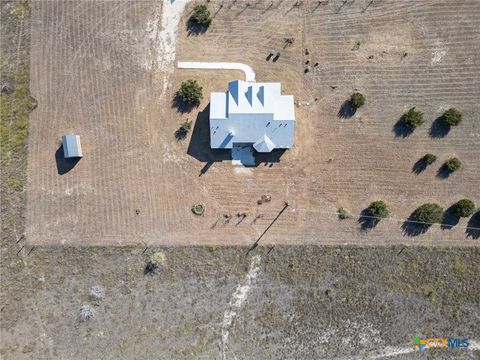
(401, 129)
(367, 221)
(347, 110)
(411, 227)
(268, 158)
(64, 165)
(199, 146)
(420, 166)
(473, 226)
(438, 129)
(449, 219)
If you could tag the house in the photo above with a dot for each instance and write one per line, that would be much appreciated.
(252, 113)
(71, 146)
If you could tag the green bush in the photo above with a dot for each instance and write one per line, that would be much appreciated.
(453, 164)
(452, 117)
(429, 213)
(190, 92)
(357, 100)
(430, 158)
(378, 209)
(201, 15)
(413, 118)
(464, 208)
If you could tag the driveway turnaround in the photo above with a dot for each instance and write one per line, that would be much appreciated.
(249, 73)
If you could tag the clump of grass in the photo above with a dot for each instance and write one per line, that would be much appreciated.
(198, 208)
(96, 295)
(357, 100)
(344, 213)
(86, 313)
(14, 110)
(20, 8)
(156, 260)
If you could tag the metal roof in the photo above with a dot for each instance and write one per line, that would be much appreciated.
(248, 112)
(71, 146)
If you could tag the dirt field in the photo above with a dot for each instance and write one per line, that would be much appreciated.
(94, 73)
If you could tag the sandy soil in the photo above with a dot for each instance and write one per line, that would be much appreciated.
(95, 82)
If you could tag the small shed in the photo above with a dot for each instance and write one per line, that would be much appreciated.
(71, 146)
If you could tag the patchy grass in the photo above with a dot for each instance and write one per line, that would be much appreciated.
(14, 111)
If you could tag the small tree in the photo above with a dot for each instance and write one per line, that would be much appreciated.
(190, 92)
(183, 130)
(357, 100)
(378, 209)
(413, 118)
(429, 213)
(429, 158)
(453, 164)
(452, 117)
(201, 16)
(464, 208)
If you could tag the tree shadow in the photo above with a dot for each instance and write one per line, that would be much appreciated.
(443, 172)
(64, 165)
(401, 129)
(473, 226)
(347, 110)
(449, 219)
(182, 106)
(438, 129)
(366, 221)
(420, 166)
(181, 133)
(195, 29)
(411, 227)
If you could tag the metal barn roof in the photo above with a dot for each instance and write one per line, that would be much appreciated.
(71, 146)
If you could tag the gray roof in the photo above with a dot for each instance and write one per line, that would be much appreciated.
(251, 113)
(71, 146)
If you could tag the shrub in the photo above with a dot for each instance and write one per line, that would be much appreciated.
(429, 213)
(190, 92)
(357, 100)
(344, 213)
(378, 209)
(453, 164)
(198, 208)
(201, 15)
(413, 118)
(452, 117)
(464, 208)
(183, 130)
(86, 313)
(429, 158)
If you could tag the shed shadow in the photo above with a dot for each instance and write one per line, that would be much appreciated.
(347, 110)
(473, 226)
(449, 219)
(64, 165)
(366, 221)
(438, 129)
(411, 227)
(401, 130)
